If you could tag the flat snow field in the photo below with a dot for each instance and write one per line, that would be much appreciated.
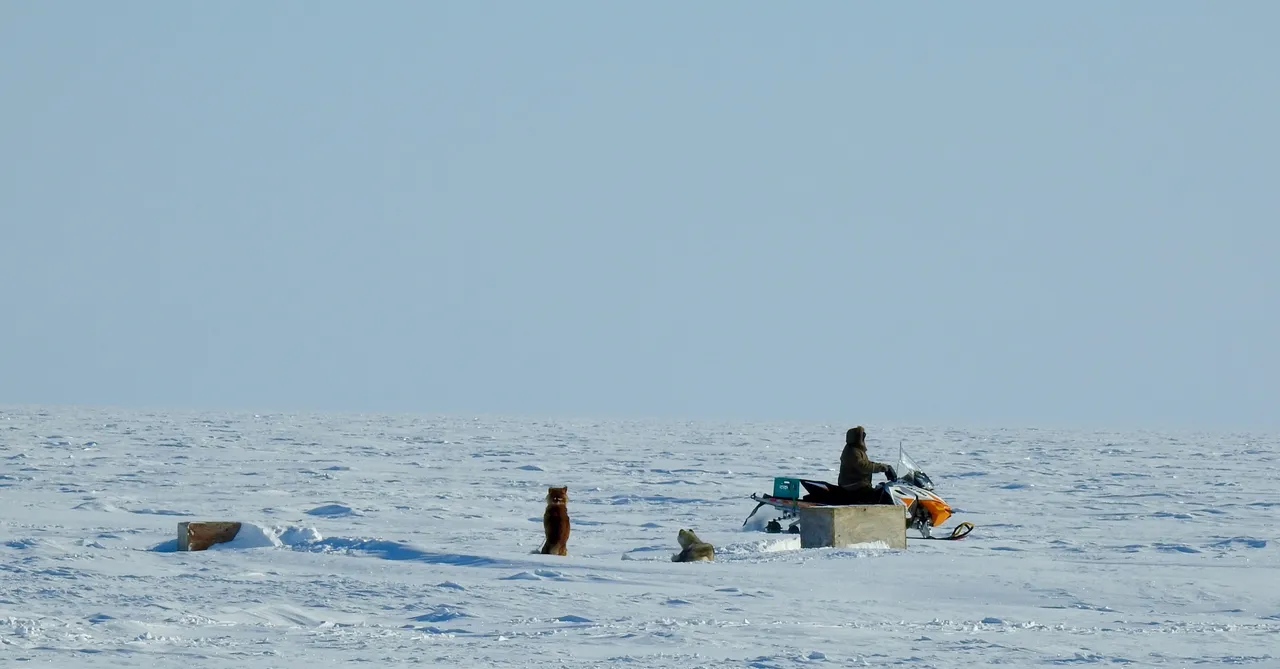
(411, 539)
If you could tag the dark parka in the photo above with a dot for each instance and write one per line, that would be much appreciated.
(855, 467)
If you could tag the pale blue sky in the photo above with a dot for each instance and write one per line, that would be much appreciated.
(952, 213)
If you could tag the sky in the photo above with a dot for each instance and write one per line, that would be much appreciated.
(999, 213)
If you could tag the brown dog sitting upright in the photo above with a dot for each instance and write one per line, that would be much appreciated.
(555, 521)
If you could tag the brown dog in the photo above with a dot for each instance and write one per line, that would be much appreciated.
(555, 522)
(692, 548)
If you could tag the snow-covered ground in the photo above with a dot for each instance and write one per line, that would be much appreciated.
(390, 539)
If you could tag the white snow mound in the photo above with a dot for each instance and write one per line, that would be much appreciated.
(257, 536)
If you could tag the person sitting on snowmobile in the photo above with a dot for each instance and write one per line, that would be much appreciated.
(856, 468)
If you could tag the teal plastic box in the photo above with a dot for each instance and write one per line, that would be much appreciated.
(786, 488)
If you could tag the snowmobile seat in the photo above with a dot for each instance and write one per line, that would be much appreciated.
(822, 492)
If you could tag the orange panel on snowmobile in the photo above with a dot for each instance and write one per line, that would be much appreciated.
(939, 511)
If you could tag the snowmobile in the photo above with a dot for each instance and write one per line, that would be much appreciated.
(912, 489)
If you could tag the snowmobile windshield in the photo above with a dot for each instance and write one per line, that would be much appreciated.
(905, 464)
(908, 471)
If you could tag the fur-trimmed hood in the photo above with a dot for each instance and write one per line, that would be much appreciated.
(856, 437)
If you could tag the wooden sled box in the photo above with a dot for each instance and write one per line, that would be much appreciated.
(841, 526)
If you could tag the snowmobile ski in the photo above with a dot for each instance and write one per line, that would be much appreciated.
(959, 532)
